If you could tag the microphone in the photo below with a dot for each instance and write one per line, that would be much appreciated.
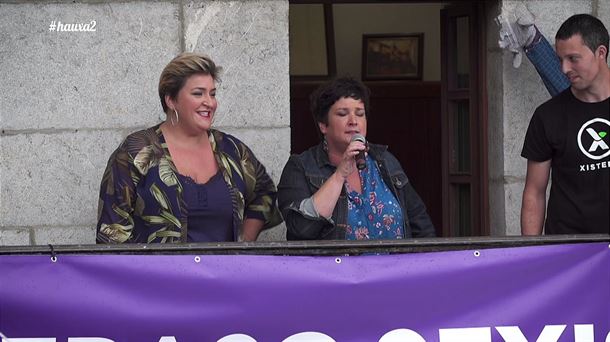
(360, 157)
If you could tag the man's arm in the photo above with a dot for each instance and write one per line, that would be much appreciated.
(534, 197)
(543, 57)
(524, 35)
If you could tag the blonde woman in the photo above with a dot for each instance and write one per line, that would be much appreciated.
(182, 180)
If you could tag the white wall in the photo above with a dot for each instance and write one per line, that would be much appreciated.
(307, 40)
(353, 20)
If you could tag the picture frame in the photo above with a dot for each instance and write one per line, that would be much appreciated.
(394, 56)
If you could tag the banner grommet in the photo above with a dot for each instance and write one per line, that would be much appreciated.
(53, 255)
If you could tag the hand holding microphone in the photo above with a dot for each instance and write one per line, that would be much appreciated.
(360, 157)
(353, 158)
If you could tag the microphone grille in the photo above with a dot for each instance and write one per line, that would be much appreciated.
(358, 137)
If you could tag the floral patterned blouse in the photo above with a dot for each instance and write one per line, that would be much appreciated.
(142, 199)
(375, 214)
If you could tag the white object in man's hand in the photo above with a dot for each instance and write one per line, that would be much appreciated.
(516, 33)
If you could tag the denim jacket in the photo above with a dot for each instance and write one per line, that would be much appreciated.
(305, 173)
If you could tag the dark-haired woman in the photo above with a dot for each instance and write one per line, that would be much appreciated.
(323, 195)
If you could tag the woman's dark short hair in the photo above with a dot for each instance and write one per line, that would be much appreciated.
(591, 29)
(327, 94)
(182, 67)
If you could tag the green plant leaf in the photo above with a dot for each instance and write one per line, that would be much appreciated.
(167, 175)
(154, 219)
(171, 218)
(116, 232)
(145, 159)
(159, 196)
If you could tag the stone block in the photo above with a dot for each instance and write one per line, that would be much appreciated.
(495, 130)
(550, 14)
(513, 192)
(497, 218)
(64, 235)
(523, 93)
(603, 13)
(249, 39)
(270, 145)
(14, 237)
(106, 78)
(495, 136)
(495, 110)
(277, 233)
(53, 179)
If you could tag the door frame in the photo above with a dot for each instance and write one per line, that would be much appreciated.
(476, 95)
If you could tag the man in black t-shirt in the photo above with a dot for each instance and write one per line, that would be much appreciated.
(570, 135)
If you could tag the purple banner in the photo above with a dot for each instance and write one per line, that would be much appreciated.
(544, 293)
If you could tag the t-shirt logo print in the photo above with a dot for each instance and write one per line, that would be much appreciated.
(595, 138)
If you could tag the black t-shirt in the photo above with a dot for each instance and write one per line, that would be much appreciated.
(575, 136)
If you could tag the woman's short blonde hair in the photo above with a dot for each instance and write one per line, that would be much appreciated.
(182, 67)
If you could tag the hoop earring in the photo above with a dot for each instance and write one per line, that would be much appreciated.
(172, 119)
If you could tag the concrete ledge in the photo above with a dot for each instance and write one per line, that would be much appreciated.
(14, 237)
(64, 235)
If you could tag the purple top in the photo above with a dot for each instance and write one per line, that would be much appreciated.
(210, 211)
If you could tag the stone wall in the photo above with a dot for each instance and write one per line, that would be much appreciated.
(69, 98)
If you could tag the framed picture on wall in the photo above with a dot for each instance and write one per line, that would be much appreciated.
(392, 56)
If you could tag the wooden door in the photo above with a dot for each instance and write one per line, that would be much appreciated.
(464, 121)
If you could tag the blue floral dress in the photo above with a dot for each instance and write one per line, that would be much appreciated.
(375, 214)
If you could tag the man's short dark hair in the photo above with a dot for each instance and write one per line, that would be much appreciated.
(591, 29)
(327, 94)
